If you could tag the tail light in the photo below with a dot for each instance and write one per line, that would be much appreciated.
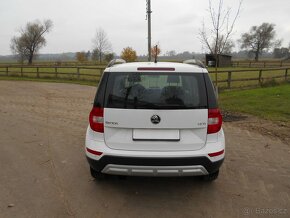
(97, 119)
(156, 69)
(214, 121)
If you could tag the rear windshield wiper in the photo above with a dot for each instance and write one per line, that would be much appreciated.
(128, 90)
(179, 107)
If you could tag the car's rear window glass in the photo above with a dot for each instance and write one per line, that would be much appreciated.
(156, 91)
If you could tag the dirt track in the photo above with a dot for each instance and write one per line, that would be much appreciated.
(44, 172)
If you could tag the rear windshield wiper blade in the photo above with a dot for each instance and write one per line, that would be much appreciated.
(146, 105)
(180, 107)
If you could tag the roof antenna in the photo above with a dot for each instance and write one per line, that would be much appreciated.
(156, 54)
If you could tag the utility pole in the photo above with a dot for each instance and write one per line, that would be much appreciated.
(149, 28)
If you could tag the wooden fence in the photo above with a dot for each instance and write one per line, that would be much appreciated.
(227, 79)
(261, 64)
(57, 63)
(79, 73)
(250, 77)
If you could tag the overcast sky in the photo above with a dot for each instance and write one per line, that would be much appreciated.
(175, 23)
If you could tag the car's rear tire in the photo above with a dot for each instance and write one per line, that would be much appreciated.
(96, 175)
(211, 177)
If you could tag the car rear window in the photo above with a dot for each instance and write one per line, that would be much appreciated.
(149, 90)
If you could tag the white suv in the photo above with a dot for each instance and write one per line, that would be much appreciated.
(155, 119)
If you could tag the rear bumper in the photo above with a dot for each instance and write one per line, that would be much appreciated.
(137, 166)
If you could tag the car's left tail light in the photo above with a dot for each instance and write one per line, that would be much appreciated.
(214, 121)
(97, 119)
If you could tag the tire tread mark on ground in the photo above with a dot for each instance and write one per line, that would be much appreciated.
(53, 168)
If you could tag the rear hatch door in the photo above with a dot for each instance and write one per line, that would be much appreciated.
(155, 111)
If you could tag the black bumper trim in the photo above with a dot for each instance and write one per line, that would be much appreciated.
(210, 166)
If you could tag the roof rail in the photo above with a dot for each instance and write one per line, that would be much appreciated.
(194, 62)
(116, 61)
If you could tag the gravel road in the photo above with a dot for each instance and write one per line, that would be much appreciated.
(44, 172)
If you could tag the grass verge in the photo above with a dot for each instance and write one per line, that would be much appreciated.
(272, 103)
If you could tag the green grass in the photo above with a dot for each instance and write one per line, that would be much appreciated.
(272, 103)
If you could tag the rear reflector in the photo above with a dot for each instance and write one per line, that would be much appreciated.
(94, 152)
(216, 153)
(97, 119)
(214, 121)
(156, 69)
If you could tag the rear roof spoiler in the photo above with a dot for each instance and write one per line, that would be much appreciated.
(115, 62)
(194, 62)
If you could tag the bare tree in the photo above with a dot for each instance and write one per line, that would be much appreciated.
(259, 38)
(101, 43)
(31, 39)
(217, 37)
(95, 55)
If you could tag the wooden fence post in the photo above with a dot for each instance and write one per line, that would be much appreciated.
(281, 63)
(55, 70)
(229, 79)
(37, 72)
(286, 74)
(78, 72)
(21, 71)
(260, 77)
(264, 64)
(6, 71)
(250, 65)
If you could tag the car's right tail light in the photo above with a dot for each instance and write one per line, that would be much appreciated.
(214, 121)
(97, 119)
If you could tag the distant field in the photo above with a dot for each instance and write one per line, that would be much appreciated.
(271, 103)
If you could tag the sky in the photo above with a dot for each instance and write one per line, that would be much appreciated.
(175, 23)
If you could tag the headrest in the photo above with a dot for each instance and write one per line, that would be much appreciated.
(134, 77)
(173, 79)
